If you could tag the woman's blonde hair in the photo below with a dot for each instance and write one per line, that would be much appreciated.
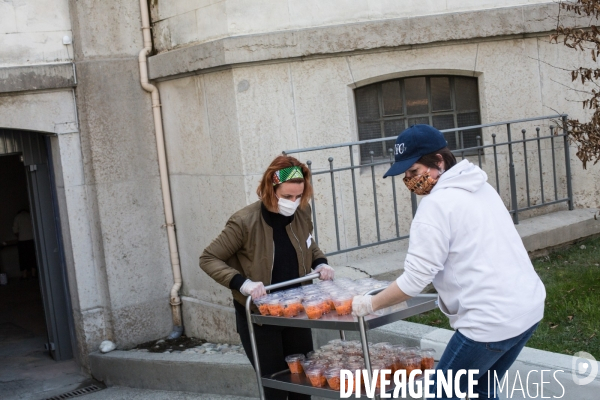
(266, 189)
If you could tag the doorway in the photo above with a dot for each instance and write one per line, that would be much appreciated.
(35, 312)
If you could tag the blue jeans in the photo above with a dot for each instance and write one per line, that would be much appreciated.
(488, 358)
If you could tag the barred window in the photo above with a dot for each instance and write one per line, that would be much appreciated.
(385, 109)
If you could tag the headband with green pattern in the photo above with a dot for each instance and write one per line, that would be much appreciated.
(284, 175)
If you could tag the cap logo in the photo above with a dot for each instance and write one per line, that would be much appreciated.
(400, 148)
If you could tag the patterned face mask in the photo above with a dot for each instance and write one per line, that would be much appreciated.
(420, 184)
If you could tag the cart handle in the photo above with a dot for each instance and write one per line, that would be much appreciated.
(305, 278)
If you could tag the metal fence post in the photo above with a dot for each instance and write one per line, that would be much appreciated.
(496, 162)
(375, 196)
(513, 178)
(523, 131)
(413, 203)
(537, 131)
(552, 134)
(391, 152)
(335, 214)
(314, 213)
(568, 162)
(354, 193)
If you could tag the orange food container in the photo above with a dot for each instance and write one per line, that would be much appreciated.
(316, 376)
(343, 304)
(353, 367)
(290, 307)
(313, 309)
(294, 362)
(275, 307)
(324, 304)
(412, 362)
(263, 307)
(377, 367)
(427, 360)
(333, 378)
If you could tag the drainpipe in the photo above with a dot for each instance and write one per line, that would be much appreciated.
(175, 300)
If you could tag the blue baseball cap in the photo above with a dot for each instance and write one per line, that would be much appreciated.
(414, 143)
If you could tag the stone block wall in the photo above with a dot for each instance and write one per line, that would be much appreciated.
(32, 31)
(182, 22)
(224, 127)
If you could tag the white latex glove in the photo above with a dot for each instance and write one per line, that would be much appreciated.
(362, 305)
(326, 272)
(253, 289)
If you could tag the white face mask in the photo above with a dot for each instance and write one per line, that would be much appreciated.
(287, 207)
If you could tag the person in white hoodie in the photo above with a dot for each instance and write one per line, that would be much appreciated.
(463, 240)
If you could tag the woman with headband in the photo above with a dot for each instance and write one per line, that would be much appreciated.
(265, 243)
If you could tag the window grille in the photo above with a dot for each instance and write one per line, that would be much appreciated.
(385, 109)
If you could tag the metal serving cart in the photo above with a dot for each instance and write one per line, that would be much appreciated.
(285, 380)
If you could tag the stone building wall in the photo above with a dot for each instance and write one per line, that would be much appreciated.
(240, 82)
(224, 125)
(183, 22)
(88, 99)
(31, 32)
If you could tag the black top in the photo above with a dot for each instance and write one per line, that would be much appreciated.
(285, 262)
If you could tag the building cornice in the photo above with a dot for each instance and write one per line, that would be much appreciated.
(37, 77)
(355, 37)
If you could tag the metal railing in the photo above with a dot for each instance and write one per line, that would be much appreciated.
(518, 167)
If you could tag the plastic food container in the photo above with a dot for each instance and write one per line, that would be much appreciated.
(316, 375)
(323, 304)
(313, 309)
(411, 363)
(343, 304)
(262, 305)
(378, 366)
(333, 378)
(275, 306)
(291, 307)
(306, 364)
(353, 367)
(427, 359)
(294, 361)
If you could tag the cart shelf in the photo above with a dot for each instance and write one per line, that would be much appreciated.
(298, 383)
(413, 306)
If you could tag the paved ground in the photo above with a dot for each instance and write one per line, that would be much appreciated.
(122, 393)
(26, 370)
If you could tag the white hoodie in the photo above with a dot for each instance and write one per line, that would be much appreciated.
(464, 241)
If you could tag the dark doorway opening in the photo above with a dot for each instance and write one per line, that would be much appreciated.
(21, 306)
(23, 331)
(36, 328)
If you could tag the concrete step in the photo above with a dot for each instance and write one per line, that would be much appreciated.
(214, 374)
(125, 393)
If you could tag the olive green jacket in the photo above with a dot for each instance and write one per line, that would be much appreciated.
(246, 247)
